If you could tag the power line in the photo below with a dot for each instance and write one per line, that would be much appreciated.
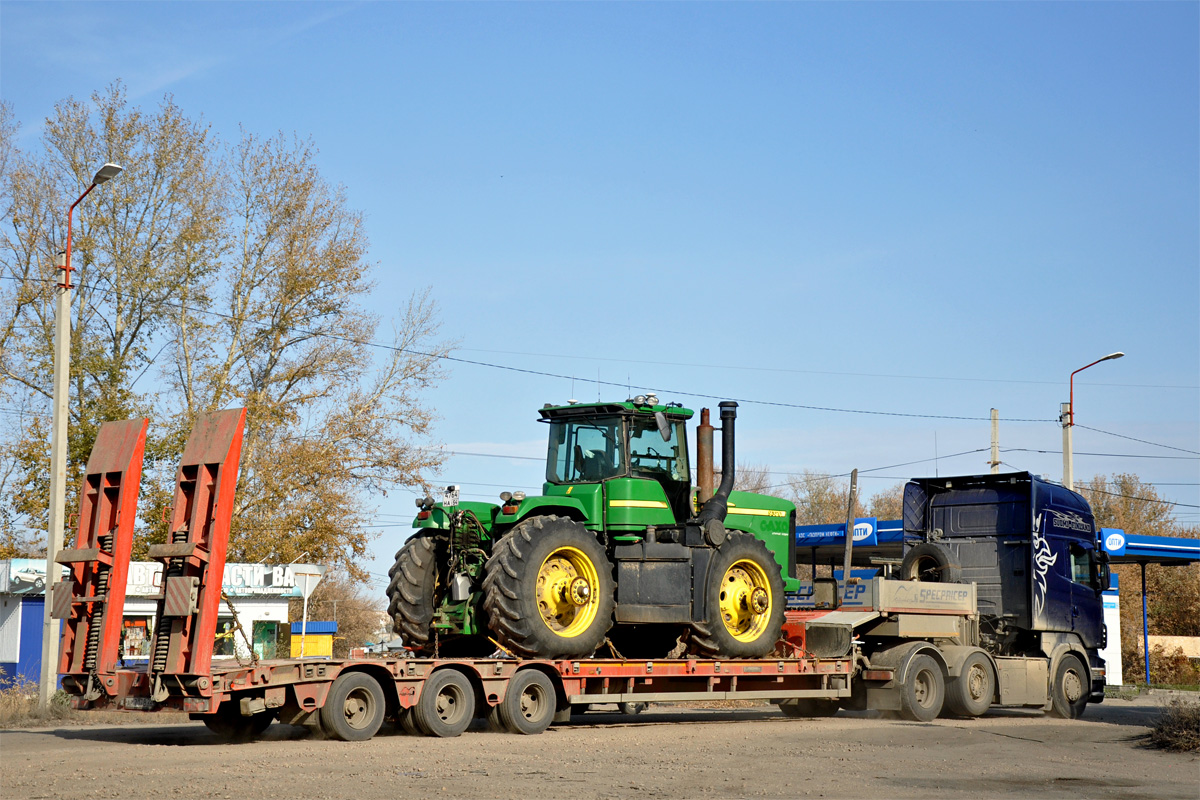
(1105, 455)
(1133, 497)
(1143, 441)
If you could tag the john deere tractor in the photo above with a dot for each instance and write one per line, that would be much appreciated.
(619, 547)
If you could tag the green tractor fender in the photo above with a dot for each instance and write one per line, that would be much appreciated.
(541, 506)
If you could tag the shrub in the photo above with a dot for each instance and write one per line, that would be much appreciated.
(1178, 727)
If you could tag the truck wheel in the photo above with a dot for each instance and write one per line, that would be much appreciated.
(744, 601)
(924, 690)
(1069, 691)
(804, 707)
(529, 703)
(930, 562)
(405, 722)
(632, 709)
(548, 589)
(971, 693)
(446, 705)
(411, 591)
(353, 711)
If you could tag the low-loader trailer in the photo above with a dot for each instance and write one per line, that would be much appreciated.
(917, 646)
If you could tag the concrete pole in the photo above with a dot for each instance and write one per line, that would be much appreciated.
(849, 533)
(995, 462)
(1068, 472)
(58, 478)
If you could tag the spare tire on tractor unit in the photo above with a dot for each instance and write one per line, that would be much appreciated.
(930, 562)
(743, 601)
(548, 589)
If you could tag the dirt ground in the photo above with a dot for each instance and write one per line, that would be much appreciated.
(664, 752)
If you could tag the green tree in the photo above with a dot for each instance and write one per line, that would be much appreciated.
(210, 275)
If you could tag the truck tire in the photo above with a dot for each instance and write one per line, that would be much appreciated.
(1069, 690)
(446, 705)
(743, 603)
(548, 589)
(528, 705)
(930, 562)
(411, 591)
(405, 722)
(353, 710)
(805, 707)
(971, 693)
(924, 690)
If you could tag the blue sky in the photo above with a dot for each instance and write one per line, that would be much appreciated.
(925, 209)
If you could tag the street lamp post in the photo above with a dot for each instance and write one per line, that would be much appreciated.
(1067, 418)
(58, 442)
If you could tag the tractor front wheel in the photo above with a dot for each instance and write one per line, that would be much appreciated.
(548, 589)
(744, 601)
(411, 591)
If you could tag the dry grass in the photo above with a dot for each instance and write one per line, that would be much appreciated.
(1178, 727)
(19, 704)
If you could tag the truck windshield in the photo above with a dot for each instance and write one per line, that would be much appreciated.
(585, 450)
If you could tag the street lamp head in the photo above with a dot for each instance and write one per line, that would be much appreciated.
(1111, 356)
(106, 173)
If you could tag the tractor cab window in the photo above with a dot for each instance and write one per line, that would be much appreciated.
(585, 450)
(652, 457)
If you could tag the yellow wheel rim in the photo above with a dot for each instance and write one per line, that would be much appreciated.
(567, 584)
(745, 600)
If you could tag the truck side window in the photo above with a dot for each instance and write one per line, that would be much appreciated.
(1082, 570)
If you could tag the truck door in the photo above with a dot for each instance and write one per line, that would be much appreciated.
(1087, 608)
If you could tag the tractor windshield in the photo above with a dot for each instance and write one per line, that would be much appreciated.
(585, 450)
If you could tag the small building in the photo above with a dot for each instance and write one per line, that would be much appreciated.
(316, 637)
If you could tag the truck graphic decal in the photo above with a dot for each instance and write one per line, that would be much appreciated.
(1043, 559)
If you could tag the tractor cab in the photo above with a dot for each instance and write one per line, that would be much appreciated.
(624, 447)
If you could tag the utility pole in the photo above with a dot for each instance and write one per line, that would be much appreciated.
(849, 529)
(58, 445)
(995, 462)
(1068, 471)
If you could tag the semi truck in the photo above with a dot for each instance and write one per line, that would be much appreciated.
(961, 628)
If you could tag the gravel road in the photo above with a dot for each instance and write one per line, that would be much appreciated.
(664, 752)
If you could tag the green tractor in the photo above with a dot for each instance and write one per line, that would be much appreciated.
(619, 549)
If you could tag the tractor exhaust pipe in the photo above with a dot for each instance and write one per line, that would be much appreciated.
(704, 458)
(716, 507)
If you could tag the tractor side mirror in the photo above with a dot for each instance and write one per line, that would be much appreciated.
(664, 428)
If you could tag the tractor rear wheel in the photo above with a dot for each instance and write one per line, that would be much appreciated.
(744, 601)
(548, 589)
(411, 591)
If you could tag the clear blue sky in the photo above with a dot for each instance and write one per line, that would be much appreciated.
(919, 208)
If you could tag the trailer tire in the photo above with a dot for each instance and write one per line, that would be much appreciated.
(1069, 691)
(930, 562)
(548, 589)
(446, 705)
(229, 724)
(529, 703)
(406, 723)
(924, 689)
(632, 709)
(741, 575)
(353, 710)
(971, 693)
(806, 707)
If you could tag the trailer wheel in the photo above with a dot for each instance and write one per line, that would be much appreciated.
(924, 690)
(353, 711)
(804, 707)
(229, 725)
(406, 723)
(446, 705)
(744, 601)
(1069, 692)
(971, 693)
(632, 709)
(930, 562)
(528, 705)
(548, 590)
